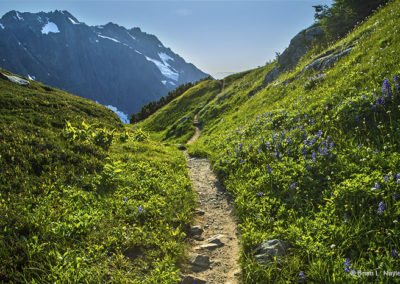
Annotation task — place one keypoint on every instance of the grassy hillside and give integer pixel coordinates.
(175, 120)
(314, 160)
(83, 200)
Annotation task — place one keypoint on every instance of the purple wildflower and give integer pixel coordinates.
(301, 274)
(381, 208)
(347, 265)
(394, 254)
(377, 185)
(126, 199)
(141, 210)
(313, 157)
(260, 194)
(292, 185)
(269, 169)
(386, 179)
(386, 88)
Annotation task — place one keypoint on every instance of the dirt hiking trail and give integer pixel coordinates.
(213, 240)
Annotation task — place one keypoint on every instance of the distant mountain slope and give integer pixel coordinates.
(109, 64)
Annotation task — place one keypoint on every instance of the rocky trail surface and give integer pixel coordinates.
(213, 240)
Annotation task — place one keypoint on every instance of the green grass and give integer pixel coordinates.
(86, 203)
(326, 206)
(174, 122)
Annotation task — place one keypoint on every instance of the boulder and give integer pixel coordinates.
(269, 250)
(327, 60)
(298, 46)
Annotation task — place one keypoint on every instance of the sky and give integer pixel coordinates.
(219, 37)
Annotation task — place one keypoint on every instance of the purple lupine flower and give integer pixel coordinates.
(374, 107)
(381, 208)
(394, 254)
(276, 154)
(386, 179)
(269, 169)
(396, 86)
(386, 88)
(292, 185)
(363, 96)
(382, 101)
(126, 199)
(141, 210)
(377, 185)
(331, 145)
(241, 161)
(302, 276)
(240, 146)
(260, 194)
(271, 220)
(347, 265)
(345, 218)
(313, 156)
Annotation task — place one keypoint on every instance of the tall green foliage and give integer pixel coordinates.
(344, 15)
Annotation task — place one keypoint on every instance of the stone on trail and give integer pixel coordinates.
(189, 279)
(196, 230)
(209, 246)
(217, 239)
(199, 260)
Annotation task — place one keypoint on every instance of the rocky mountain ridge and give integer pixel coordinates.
(125, 68)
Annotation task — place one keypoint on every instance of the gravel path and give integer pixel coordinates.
(214, 243)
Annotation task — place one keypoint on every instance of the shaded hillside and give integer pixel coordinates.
(81, 198)
(312, 158)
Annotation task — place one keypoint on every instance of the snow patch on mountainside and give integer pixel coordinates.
(165, 69)
(110, 38)
(165, 57)
(72, 21)
(18, 16)
(123, 116)
(131, 36)
(50, 27)
(2, 27)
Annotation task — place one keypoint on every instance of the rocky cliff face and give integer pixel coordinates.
(297, 48)
(125, 68)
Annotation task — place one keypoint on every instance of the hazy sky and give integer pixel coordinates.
(217, 36)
